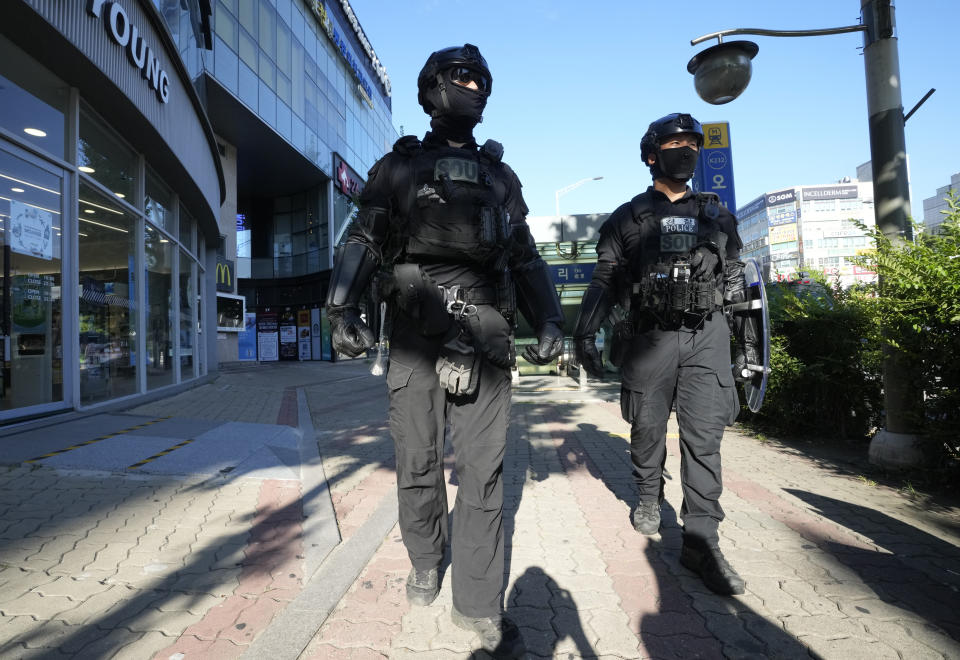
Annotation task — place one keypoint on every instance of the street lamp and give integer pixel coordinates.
(564, 191)
(723, 71)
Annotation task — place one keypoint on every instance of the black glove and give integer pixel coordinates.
(705, 262)
(458, 364)
(588, 356)
(549, 345)
(742, 356)
(348, 333)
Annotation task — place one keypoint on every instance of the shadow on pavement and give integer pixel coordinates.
(921, 573)
(269, 554)
(688, 621)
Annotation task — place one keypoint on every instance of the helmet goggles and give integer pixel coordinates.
(462, 75)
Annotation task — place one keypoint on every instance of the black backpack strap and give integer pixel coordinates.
(641, 207)
(408, 145)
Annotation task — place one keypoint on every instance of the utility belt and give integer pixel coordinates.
(433, 305)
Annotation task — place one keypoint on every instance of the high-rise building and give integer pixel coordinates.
(301, 106)
(935, 207)
(810, 228)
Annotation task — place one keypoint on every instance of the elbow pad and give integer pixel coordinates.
(537, 296)
(593, 310)
(355, 265)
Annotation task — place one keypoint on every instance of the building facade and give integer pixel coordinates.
(110, 192)
(810, 228)
(934, 208)
(301, 106)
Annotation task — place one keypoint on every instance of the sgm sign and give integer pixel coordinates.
(128, 37)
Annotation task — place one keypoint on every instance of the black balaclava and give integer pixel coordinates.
(456, 109)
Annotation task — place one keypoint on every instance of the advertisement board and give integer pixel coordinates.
(783, 234)
(268, 348)
(830, 192)
(781, 215)
(247, 338)
(304, 343)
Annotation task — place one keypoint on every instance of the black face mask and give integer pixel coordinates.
(678, 164)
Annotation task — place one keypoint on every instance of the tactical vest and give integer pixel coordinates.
(659, 263)
(458, 214)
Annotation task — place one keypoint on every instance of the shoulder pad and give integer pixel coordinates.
(492, 150)
(641, 207)
(709, 204)
(408, 145)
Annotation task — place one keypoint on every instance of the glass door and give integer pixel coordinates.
(32, 222)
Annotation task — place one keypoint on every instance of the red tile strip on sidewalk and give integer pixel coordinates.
(271, 577)
(661, 614)
(288, 415)
(272, 574)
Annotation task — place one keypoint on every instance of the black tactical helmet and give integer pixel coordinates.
(669, 125)
(455, 58)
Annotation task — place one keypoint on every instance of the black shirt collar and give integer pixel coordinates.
(658, 196)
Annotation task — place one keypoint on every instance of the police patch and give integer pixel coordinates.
(676, 225)
(458, 169)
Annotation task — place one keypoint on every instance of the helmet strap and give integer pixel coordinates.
(443, 90)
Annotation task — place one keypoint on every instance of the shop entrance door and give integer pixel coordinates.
(32, 210)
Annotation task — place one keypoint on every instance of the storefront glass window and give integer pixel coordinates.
(158, 204)
(106, 159)
(33, 102)
(158, 255)
(107, 291)
(30, 280)
(188, 296)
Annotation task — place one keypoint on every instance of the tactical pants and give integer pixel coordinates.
(692, 365)
(419, 411)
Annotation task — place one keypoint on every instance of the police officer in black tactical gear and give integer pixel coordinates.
(445, 219)
(671, 258)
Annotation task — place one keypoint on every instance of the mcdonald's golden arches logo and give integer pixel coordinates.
(224, 275)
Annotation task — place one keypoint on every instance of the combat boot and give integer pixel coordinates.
(499, 636)
(646, 518)
(708, 562)
(423, 586)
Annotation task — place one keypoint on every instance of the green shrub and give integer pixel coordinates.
(824, 377)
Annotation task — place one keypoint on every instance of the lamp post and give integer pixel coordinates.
(564, 191)
(723, 71)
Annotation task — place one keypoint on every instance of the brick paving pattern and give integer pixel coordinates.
(109, 565)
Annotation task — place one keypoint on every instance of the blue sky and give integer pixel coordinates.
(576, 84)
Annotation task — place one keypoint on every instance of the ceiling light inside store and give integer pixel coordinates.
(35, 132)
(27, 183)
(120, 195)
(100, 224)
(86, 170)
(105, 208)
(89, 211)
(16, 190)
(33, 206)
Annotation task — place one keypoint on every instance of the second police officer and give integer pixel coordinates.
(671, 258)
(447, 219)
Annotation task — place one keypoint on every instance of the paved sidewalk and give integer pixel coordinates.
(272, 534)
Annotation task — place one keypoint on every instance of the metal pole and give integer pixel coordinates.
(895, 444)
